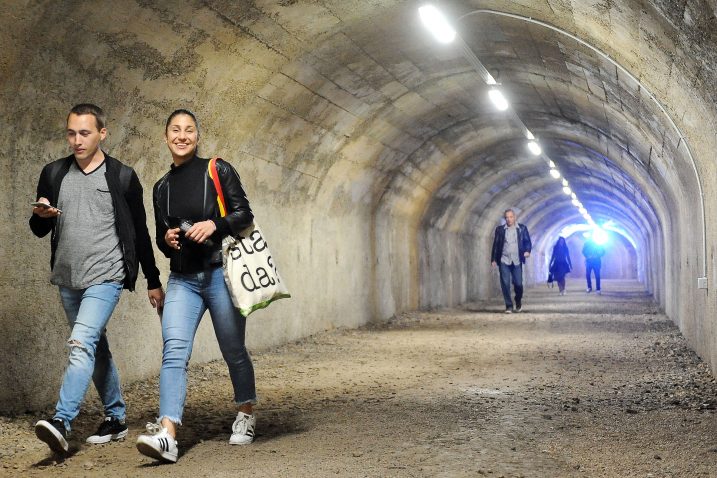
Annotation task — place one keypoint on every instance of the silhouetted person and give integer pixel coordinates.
(560, 263)
(593, 254)
(511, 245)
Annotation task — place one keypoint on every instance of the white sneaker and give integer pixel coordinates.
(159, 444)
(243, 429)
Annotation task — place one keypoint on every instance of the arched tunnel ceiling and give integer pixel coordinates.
(374, 111)
(416, 123)
(568, 96)
(445, 93)
(425, 118)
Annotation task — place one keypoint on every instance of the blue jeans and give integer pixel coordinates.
(514, 272)
(88, 311)
(188, 297)
(592, 266)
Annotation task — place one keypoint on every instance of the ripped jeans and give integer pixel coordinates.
(88, 311)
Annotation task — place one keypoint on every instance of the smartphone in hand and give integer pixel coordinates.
(43, 205)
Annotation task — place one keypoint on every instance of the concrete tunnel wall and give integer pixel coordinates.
(370, 155)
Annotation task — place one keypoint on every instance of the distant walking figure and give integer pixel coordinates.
(511, 246)
(560, 263)
(593, 254)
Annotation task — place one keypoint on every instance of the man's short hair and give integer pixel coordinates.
(507, 211)
(90, 109)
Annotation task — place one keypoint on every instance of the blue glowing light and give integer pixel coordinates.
(599, 236)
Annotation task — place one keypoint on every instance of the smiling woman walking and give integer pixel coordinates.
(189, 231)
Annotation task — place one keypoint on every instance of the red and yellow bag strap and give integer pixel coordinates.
(218, 186)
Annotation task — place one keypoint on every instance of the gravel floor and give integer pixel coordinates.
(581, 385)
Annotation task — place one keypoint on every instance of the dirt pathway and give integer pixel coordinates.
(574, 386)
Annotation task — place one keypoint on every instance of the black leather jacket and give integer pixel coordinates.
(238, 215)
(524, 244)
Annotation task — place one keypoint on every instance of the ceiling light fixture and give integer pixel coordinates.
(496, 96)
(534, 148)
(437, 24)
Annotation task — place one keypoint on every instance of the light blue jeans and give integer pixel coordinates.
(88, 311)
(188, 297)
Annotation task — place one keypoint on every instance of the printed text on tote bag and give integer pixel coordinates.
(261, 277)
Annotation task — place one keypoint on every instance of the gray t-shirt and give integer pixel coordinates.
(88, 251)
(511, 254)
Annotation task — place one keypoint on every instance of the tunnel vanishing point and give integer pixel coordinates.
(371, 153)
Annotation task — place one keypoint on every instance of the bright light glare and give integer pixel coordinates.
(437, 24)
(599, 236)
(574, 196)
(576, 203)
(498, 99)
(565, 182)
(551, 163)
(534, 148)
(607, 226)
(555, 173)
(529, 135)
(583, 211)
(567, 191)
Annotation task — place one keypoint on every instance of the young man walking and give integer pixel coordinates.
(511, 246)
(94, 210)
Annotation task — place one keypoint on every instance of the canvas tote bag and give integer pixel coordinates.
(249, 270)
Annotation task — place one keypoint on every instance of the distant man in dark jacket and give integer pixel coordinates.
(511, 246)
(92, 204)
(593, 261)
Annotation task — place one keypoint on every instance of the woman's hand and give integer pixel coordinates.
(171, 237)
(200, 231)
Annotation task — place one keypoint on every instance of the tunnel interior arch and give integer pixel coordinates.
(373, 159)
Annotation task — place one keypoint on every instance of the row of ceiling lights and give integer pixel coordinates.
(443, 32)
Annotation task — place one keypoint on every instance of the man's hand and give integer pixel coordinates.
(200, 231)
(156, 298)
(171, 237)
(493, 264)
(45, 212)
(526, 254)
